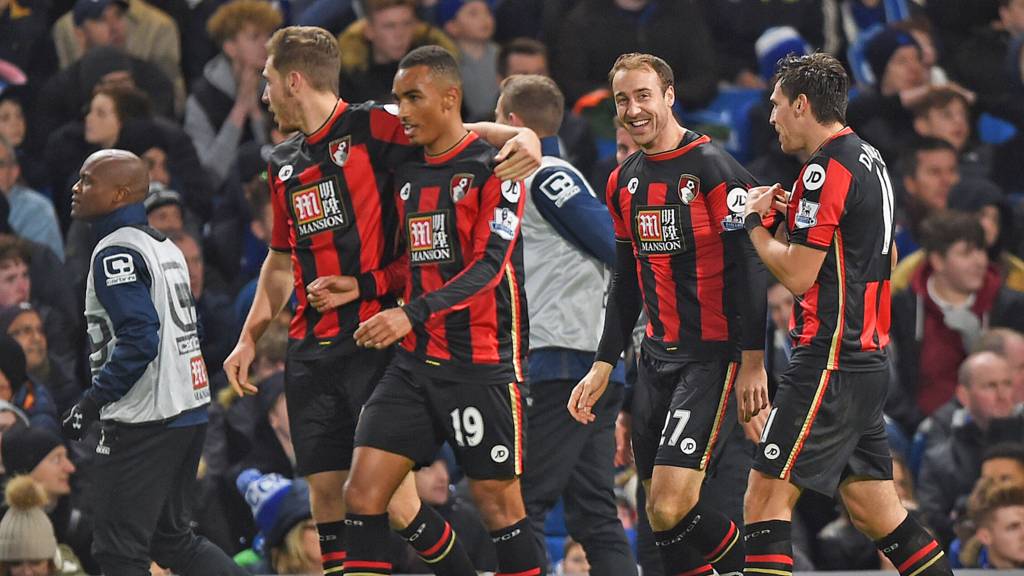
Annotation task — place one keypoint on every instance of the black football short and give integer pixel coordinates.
(682, 413)
(824, 427)
(412, 415)
(324, 397)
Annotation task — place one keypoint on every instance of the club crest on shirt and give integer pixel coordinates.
(460, 185)
(338, 150)
(806, 214)
(689, 187)
(429, 238)
(317, 207)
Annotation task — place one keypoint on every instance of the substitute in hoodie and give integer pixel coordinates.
(951, 299)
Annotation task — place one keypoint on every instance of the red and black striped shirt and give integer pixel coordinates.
(465, 297)
(842, 203)
(682, 211)
(334, 212)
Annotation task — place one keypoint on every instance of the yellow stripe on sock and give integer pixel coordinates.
(735, 538)
(925, 567)
(333, 570)
(768, 571)
(451, 543)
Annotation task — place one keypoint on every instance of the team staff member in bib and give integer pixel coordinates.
(149, 386)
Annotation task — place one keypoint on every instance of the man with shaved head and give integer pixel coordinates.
(149, 384)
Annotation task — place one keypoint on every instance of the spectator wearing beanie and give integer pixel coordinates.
(288, 541)
(17, 388)
(41, 455)
(470, 24)
(881, 113)
(24, 323)
(27, 542)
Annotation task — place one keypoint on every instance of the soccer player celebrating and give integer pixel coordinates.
(676, 206)
(334, 214)
(835, 254)
(456, 374)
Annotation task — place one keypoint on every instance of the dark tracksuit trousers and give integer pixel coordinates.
(143, 478)
(567, 459)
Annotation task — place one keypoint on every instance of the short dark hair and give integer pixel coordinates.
(375, 6)
(909, 160)
(129, 102)
(1005, 450)
(944, 228)
(819, 77)
(438, 60)
(310, 51)
(536, 99)
(13, 249)
(938, 97)
(637, 61)
(525, 46)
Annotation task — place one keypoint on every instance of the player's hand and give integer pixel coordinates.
(236, 367)
(519, 157)
(760, 199)
(589, 390)
(330, 292)
(76, 421)
(384, 329)
(623, 439)
(751, 390)
(754, 427)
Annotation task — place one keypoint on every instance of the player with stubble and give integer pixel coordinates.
(457, 373)
(834, 251)
(681, 253)
(334, 243)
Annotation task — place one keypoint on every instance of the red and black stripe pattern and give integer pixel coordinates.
(676, 208)
(913, 551)
(769, 548)
(366, 545)
(842, 204)
(331, 193)
(465, 296)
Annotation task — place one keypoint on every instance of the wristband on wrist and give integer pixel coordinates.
(751, 221)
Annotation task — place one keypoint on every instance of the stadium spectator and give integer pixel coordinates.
(281, 509)
(574, 559)
(164, 210)
(1009, 344)
(25, 41)
(595, 32)
(372, 46)
(224, 109)
(980, 62)
(16, 287)
(63, 97)
(134, 26)
(950, 469)
(945, 113)
(14, 128)
(17, 388)
(31, 214)
(471, 25)
(1004, 463)
(28, 545)
(39, 453)
(999, 516)
(24, 323)
(930, 171)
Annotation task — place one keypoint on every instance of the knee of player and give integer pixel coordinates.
(666, 509)
(365, 497)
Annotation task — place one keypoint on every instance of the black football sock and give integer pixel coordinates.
(913, 550)
(436, 543)
(769, 548)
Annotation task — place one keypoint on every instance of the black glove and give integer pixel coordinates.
(77, 420)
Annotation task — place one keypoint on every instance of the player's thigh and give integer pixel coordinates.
(697, 418)
(812, 430)
(398, 418)
(485, 424)
(321, 415)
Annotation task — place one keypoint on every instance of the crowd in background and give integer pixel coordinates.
(939, 90)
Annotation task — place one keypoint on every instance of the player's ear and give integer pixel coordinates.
(800, 105)
(670, 95)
